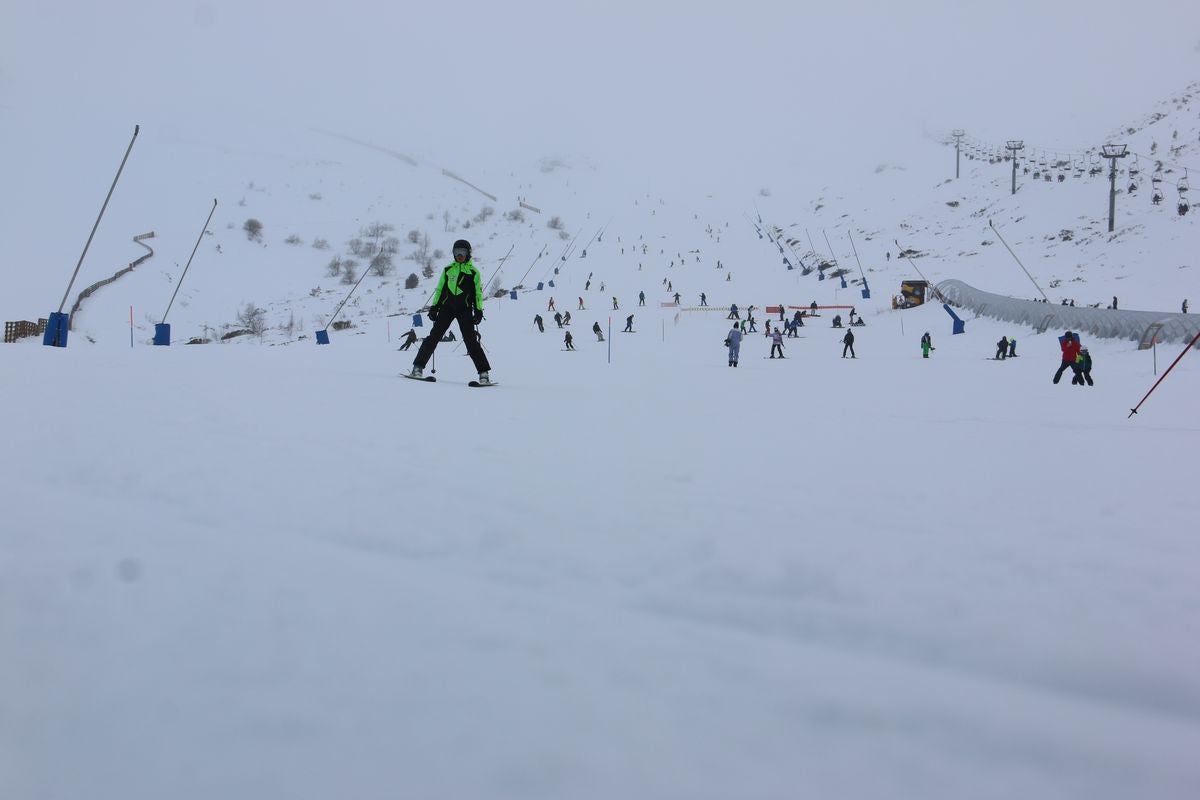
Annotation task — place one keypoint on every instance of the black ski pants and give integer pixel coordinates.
(848, 346)
(454, 310)
(1063, 368)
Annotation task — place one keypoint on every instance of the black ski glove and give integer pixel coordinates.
(433, 312)
(477, 317)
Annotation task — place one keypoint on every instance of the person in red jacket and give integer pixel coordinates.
(1069, 342)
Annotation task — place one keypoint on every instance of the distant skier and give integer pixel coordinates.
(599, 333)
(409, 338)
(550, 305)
(641, 298)
(734, 342)
(558, 318)
(580, 305)
(926, 344)
(733, 311)
(458, 296)
(812, 308)
(628, 324)
(615, 306)
(776, 343)
(782, 311)
(751, 321)
(1069, 344)
(677, 298)
(1012, 347)
(568, 341)
(848, 344)
(1002, 348)
(567, 318)
(537, 320)
(1114, 302)
(703, 299)
(1183, 308)
(837, 320)
(798, 320)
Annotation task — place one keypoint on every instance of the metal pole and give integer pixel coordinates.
(97, 225)
(189, 261)
(1013, 146)
(1112, 152)
(958, 134)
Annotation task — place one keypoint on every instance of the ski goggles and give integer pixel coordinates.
(462, 252)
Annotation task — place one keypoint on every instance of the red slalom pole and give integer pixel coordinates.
(1191, 344)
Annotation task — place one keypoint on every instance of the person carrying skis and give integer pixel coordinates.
(599, 333)
(848, 344)
(409, 338)
(1069, 344)
(776, 343)
(926, 344)
(734, 342)
(628, 324)
(458, 296)
(568, 339)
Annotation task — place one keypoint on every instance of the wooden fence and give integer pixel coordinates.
(22, 328)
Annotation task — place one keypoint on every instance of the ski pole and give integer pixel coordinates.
(1190, 345)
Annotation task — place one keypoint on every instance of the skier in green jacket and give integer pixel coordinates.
(458, 296)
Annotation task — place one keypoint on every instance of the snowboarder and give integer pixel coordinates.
(1002, 348)
(599, 333)
(1083, 368)
(837, 320)
(628, 324)
(1069, 344)
(567, 318)
(926, 344)
(567, 340)
(537, 320)
(734, 342)
(641, 299)
(458, 296)
(848, 342)
(409, 338)
(776, 343)
(812, 308)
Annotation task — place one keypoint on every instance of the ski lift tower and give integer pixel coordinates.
(958, 134)
(1013, 146)
(1112, 152)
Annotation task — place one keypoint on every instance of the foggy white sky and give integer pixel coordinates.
(738, 85)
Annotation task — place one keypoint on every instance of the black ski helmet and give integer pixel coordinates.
(462, 244)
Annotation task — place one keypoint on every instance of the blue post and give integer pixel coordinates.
(417, 323)
(323, 337)
(56, 329)
(551, 283)
(866, 290)
(512, 294)
(540, 286)
(162, 334)
(821, 275)
(843, 281)
(959, 325)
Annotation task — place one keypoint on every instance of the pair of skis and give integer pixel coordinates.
(432, 379)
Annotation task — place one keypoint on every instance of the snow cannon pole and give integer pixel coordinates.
(498, 266)
(996, 231)
(162, 331)
(1190, 345)
(56, 328)
(900, 252)
(535, 260)
(323, 334)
